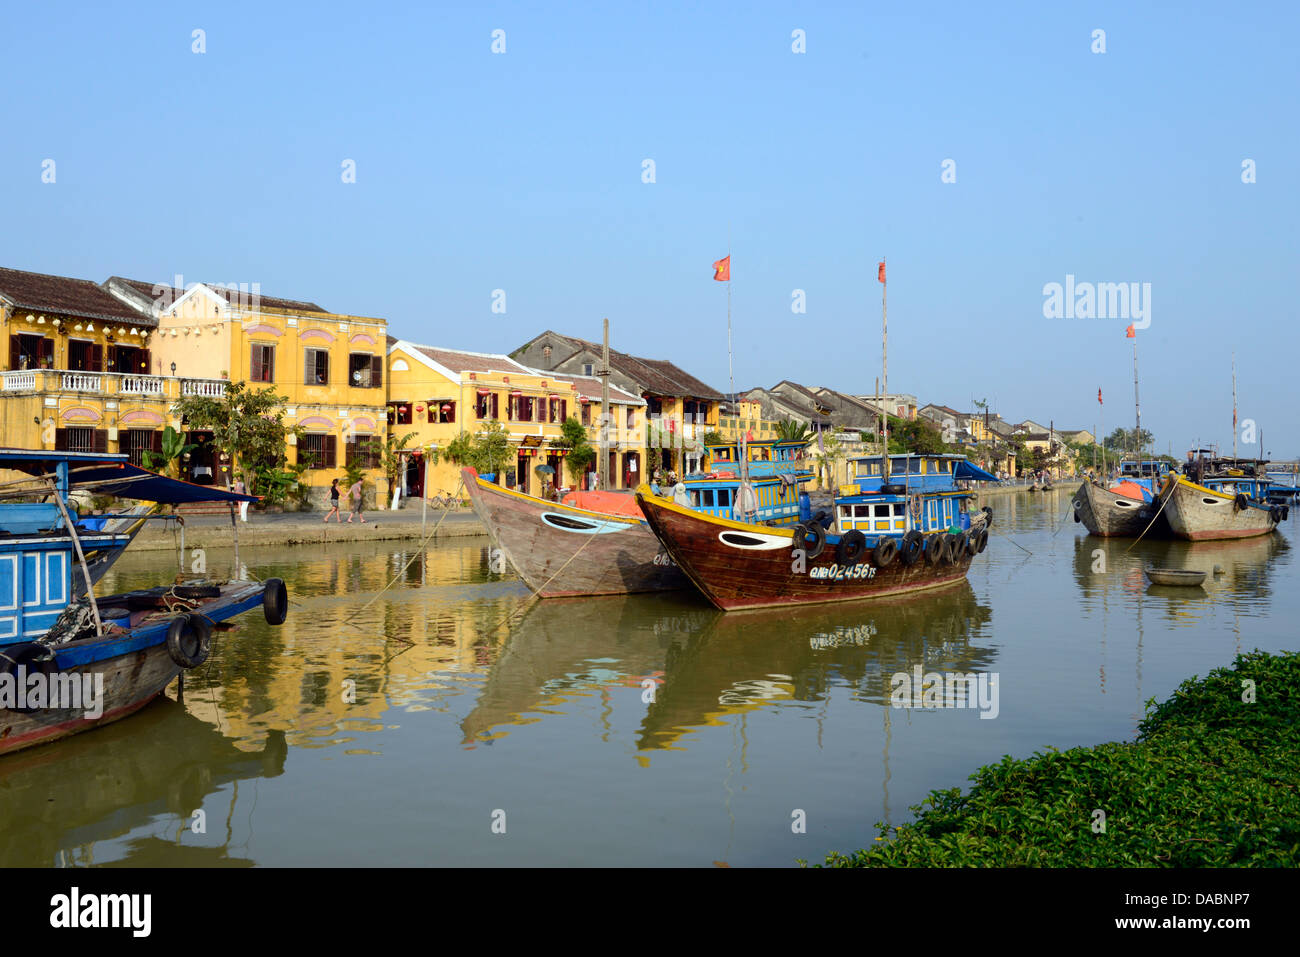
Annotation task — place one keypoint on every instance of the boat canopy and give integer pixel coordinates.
(967, 469)
(113, 474)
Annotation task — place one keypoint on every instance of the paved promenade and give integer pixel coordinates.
(307, 528)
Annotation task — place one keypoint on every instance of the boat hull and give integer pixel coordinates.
(562, 551)
(740, 566)
(1108, 514)
(1198, 514)
(134, 666)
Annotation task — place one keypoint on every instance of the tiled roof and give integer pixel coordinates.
(69, 297)
(289, 305)
(658, 376)
(590, 386)
(459, 361)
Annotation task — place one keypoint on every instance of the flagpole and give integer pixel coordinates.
(1137, 405)
(1234, 407)
(731, 373)
(884, 367)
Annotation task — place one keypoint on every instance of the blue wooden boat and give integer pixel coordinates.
(70, 662)
(761, 481)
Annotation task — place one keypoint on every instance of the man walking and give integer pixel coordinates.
(354, 497)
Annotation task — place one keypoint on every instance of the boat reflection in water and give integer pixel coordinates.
(705, 667)
(136, 784)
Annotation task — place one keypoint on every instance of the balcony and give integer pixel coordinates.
(109, 384)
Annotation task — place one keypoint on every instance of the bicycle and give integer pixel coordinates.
(444, 499)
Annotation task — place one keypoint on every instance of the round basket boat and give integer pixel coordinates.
(1175, 576)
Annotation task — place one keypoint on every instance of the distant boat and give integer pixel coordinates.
(1222, 508)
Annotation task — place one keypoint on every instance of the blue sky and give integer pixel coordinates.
(522, 171)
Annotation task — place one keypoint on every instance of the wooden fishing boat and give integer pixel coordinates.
(1200, 512)
(70, 663)
(913, 532)
(563, 550)
(1127, 509)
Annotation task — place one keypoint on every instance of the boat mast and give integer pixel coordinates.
(884, 366)
(1137, 406)
(1234, 408)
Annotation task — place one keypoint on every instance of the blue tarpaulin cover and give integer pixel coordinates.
(967, 469)
(114, 475)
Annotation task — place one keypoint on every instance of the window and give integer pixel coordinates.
(558, 410)
(707, 496)
(442, 411)
(30, 352)
(630, 419)
(128, 360)
(362, 450)
(588, 368)
(486, 407)
(317, 450)
(365, 371)
(262, 364)
(85, 356)
(136, 442)
(399, 413)
(81, 440)
(724, 497)
(586, 413)
(522, 408)
(316, 367)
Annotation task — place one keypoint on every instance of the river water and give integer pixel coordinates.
(647, 730)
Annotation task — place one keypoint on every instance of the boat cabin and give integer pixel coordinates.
(920, 492)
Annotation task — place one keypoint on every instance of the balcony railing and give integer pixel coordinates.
(109, 384)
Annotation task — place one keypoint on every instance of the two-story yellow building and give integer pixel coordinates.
(328, 366)
(82, 372)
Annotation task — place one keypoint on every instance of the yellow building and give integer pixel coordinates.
(82, 372)
(438, 394)
(329, 367)
(747, 420)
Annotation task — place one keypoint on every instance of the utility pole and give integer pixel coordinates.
(602, 459)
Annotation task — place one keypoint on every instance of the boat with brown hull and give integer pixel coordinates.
(1200, 513)
(562, 550)
(742, 566)
(1108, 513)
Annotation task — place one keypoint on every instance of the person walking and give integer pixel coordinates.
(240, 489)
(354, 494)
(334, 503)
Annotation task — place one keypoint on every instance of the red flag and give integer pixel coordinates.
(1099, 397)
(880, 273)
(722, 269)
(1129, 333)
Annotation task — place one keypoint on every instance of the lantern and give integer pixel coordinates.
(419, 408)
(446, 407)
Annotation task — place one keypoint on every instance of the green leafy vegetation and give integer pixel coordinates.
(1211, 781)
(167, 462)
(248, 425)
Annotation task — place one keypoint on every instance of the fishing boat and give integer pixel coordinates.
(70, 663)
(1128, 508)
(598, 543)
(1223, 507)
(903, 526)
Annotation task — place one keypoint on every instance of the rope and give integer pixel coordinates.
(1164, 500)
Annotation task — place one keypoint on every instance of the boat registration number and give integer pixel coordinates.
(663, 558)
(842, 573)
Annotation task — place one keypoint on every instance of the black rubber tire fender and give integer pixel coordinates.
(987, 510)
(34, 658)
(803, 531)
(197, 591)
(934, 549)
(885, 552)
(913, 547)
(971, 540)
(1241, 503)
(852, 548)
(984, 540)
(956, 547)
(189, 639)
(275, 601)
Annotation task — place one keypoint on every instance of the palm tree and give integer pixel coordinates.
(791, 430)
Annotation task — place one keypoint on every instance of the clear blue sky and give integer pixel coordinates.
(523, 172)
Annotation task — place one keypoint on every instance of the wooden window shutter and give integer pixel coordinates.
(155, 440)
(331, 451)
(309, 367)
(96, 358)
(15, 352)
(145, 360)
(61, 440)
(100, 441)
(46, 350)
(376, 372)
(255, 365)
(110, 359)
(268, 363)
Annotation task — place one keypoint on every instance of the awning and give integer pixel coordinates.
(129, 481)
(967, 469)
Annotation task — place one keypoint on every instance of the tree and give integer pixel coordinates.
(1124, 439)
(713, 437)
(389, 460)
(486, 451)
(247, 424)
(792, 430)
(827, 456)
(573, 436)
(168, 460)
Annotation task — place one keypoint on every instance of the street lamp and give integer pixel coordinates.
(173, 368)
